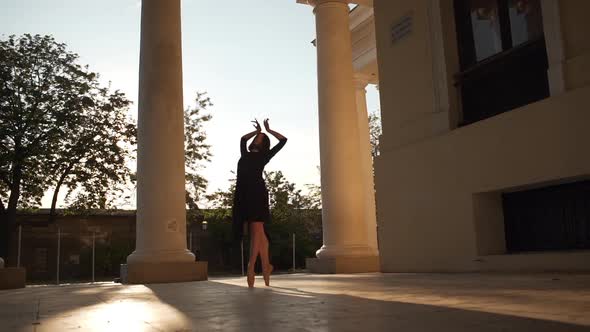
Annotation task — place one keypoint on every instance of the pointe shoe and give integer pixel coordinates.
(250, 276)
(266, 273)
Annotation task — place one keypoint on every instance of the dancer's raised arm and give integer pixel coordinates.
(282, 140)
(272, 132)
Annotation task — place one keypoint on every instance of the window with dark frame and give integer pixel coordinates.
(502, 54)
(549, 218)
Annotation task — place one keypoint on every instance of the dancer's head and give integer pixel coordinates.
(261, 143)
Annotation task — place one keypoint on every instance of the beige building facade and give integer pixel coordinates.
(484, 154)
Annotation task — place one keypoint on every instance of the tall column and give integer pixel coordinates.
(345, 240)
(161, 254)
(360, 82)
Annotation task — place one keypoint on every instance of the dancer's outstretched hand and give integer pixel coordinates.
(266, 125)
(272, 132)
(256, 125)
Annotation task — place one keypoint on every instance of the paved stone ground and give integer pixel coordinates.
(303, 302)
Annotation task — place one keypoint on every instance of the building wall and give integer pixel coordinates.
(438, 187)
(575, 26)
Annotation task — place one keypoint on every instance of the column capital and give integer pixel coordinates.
(361, 80)
(315, 3)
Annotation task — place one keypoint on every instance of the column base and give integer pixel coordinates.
(152, 273)
(12, 278)
(337, 265)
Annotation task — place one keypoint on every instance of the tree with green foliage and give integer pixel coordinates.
(196, 152)
(375, 132)
(58, 126)
(91, 160)
(293, 212)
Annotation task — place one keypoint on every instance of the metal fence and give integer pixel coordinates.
(58, 255)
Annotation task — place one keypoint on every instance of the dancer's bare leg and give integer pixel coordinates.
(263, 245)
(254, 252)
(253, 256)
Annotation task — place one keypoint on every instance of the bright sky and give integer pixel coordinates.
(254, 60)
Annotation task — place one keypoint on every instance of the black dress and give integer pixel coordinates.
(251, 196)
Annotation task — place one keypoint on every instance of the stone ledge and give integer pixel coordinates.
(151, 273)
(343, 265)
(13, 277)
